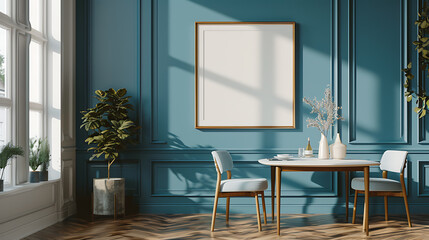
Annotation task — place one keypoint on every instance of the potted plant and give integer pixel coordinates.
(110, 130)
(34, 160)
(44, 158)
(7, 152)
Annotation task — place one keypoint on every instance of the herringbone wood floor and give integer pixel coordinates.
(241, 226)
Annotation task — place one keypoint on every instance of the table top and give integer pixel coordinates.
(314, 162)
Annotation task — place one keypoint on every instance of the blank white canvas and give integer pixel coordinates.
(245, 75)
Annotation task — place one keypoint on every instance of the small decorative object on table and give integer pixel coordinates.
(283, 156)
(7, 152)
(327, 114)
(338, 149)
(301, 152)
(308, 152)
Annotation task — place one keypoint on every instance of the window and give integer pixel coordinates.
(30, 76)
(5, 7)
(37, 14)
(36, 89)
(6, 102)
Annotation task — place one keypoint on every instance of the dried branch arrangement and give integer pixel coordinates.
(326, 110)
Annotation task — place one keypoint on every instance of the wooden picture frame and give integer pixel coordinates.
(244, 75)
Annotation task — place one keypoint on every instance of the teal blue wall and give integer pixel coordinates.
(147, 46)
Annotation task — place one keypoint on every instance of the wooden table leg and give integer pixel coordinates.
(273, 187)
(347, 194)
(366, 213)
(278, 184)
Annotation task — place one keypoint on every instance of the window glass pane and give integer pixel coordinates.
(4, 79)
(36, 71)
(5, 6)
(36, 14)
(5, 126)
(54, 20)
(36, 127)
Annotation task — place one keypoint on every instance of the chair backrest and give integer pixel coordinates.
(223, 160)
(393, 161)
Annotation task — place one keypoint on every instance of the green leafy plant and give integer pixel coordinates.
(422, 47)
(34, 159)
(2, 70)
(7, 152)
(44, 154)
(108, 124)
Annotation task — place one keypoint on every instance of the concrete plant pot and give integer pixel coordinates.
(109, 196)
(34, 176)
(44, 176)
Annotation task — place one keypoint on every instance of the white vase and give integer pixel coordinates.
(323, 147)
(338, 149)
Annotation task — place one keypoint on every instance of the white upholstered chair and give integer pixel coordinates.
(239, 187)
(391, 161)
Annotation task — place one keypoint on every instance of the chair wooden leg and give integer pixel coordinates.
(214, 211)
(354, 208)
(227, 209)
(386, 214)
(263, 207)
(404, 195)
(257, 212)
(407, 209)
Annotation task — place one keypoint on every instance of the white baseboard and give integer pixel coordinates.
(30, 226)
(67, 210)
(32, 208)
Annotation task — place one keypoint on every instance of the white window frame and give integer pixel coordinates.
(20, 29)
(9, 101)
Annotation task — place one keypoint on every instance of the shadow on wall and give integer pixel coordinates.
(197, 182)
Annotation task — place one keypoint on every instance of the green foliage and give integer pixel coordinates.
(108, 124)
(40, 153)
(7, 152)
(45, 154)
(34, 159)
(422, 47)
(2, 70)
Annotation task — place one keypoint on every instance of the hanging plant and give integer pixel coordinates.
(422, 47)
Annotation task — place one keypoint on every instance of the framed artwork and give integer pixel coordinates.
(244, 75)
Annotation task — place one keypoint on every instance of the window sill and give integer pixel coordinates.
(9, 191)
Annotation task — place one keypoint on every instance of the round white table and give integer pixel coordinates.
(314, 164)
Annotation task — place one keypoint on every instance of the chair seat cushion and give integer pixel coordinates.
(244, 185)
(377, 184)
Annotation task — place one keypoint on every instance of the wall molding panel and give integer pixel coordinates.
(423, 176)
(154, 80)
(200, 175)
(127, 168)
(403, 113)
(170, 170)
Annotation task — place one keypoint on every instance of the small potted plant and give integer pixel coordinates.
(44, 158)
(110, 130)
(34, 160)
(7, 152)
